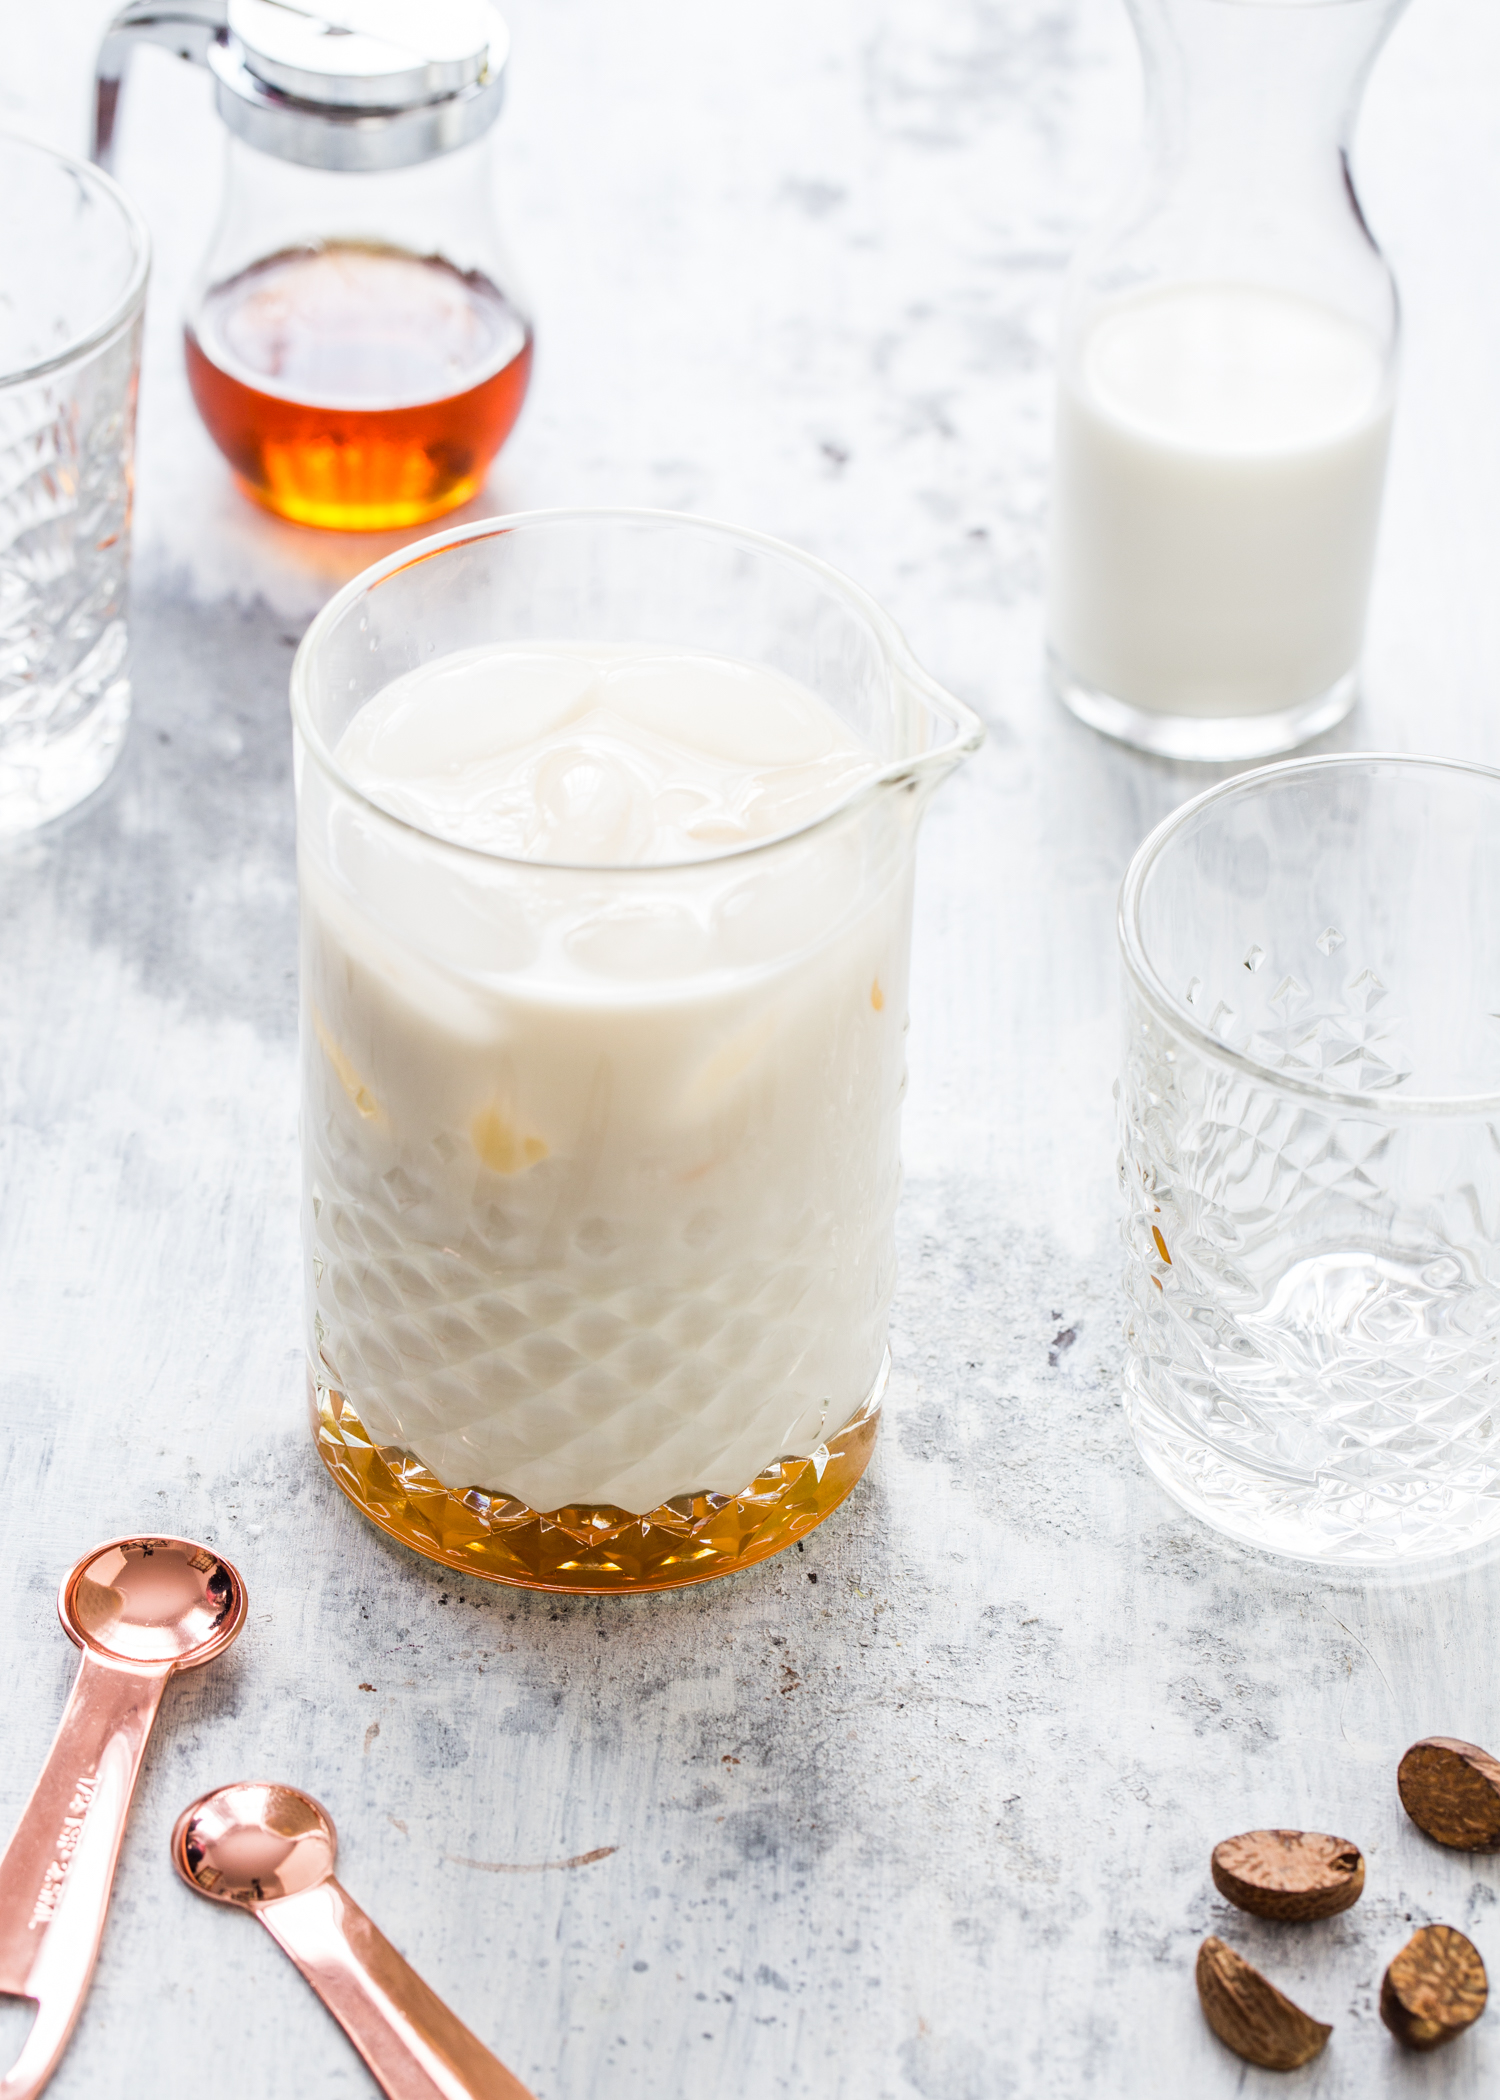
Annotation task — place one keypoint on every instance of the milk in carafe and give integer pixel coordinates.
(1220, 457)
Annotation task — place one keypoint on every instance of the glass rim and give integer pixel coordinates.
(968, 729)
(124, 308)
(1147, 981)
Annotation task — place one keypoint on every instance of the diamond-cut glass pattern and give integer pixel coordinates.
(66, 443)
(594, 1548)
(1315, 1306)
(670, 1366)
(681, 1268)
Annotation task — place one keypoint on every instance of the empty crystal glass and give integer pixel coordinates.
(1310, 1155)
(74, 257)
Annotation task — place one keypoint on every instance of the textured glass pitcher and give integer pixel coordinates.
(1225, 387)
(602, 1161)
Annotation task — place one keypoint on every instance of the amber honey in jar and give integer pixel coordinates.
(358, 386)
(353, 344)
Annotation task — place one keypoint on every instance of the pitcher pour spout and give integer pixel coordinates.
(939, 730)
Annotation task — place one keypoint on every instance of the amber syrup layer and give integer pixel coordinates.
(376, 444)
(593, 1548)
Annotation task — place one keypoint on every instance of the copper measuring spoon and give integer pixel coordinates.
(270, 1850)
(140, 1609)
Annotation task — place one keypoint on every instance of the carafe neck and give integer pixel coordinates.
(1250, 108)
(1257, 82)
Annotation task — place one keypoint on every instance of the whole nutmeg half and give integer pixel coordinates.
(1250, 2016)
(1294, 1875)
(1452, 1791)
(1434, 1989)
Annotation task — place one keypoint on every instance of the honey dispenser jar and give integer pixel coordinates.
(351, 343)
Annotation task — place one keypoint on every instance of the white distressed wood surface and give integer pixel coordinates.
(926, 1809)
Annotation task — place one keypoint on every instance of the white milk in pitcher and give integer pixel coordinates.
(1220, 457)
(601, 1107)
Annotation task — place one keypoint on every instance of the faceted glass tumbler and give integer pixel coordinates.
(601, 1163)
(74, 259)
(1310, 1157)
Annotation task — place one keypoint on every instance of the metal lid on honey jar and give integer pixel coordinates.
(359, 83)
(342, 84)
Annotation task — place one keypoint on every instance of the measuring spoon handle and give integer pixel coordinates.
(412, 2043)
(59, 1867)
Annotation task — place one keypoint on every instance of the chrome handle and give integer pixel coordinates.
(187, 27)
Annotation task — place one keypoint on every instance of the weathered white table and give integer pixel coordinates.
(925, 1809)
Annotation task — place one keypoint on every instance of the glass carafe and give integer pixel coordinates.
(1226, 381)
(351, 339)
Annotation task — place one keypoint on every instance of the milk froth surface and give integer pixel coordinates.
(625, 756)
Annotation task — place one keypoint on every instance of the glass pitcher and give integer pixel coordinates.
(1226, 378)
(351, 341)
(601, 1161)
